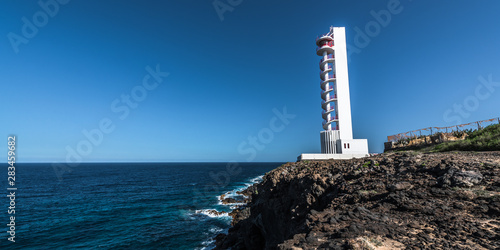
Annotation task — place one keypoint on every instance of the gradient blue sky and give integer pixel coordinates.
(226, 77)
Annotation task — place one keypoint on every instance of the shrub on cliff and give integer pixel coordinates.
(487, 139)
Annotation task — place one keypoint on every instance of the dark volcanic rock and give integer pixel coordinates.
(459, 178)
(400, 186)
(394, 200)
(232, 201)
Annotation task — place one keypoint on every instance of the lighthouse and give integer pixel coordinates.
(336, 136)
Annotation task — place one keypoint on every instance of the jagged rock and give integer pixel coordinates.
(459, 178)
(466, 178)
(240, 214)
(394, 203)
(232, 200)
(400, 186)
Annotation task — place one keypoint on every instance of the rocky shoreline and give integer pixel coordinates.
(389, 201)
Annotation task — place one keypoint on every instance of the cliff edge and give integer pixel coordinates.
(389, 201)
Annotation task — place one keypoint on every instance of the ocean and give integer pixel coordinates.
(123, 205)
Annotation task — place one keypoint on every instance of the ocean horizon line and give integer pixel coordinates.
(97, 162)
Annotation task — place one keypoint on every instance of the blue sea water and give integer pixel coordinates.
(122, 205)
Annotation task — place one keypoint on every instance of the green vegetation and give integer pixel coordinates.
(487, 139)
(367, 164)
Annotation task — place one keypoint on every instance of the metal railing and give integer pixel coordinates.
(327, 57)
(325, 45)
(436, 130)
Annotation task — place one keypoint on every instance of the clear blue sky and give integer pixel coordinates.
(226, 76)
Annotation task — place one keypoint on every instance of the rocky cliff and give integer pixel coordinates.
(389, 201)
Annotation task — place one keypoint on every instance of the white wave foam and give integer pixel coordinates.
(209, 244)
(257, 179)
(212, 213)
(234, 193)
(236, 205)
(231, 194)
(215, 230)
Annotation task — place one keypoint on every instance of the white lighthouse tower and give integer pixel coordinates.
(336, 138)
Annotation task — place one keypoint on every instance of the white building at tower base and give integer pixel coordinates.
(336, 138)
